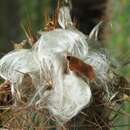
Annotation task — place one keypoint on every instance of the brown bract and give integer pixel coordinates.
(51, 23)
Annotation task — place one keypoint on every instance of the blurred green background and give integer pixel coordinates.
(119, 43)
(14, 13)
(119, 46)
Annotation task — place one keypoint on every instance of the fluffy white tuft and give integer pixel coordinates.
(40, 76)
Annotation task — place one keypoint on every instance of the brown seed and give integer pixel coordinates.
(78, 66)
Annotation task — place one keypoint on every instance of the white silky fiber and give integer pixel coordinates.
(41, 77)
(19, 66)
(100, 64)
(69, 41)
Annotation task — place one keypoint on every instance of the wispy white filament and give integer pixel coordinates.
(100, 64)
(15, 65)
(65, 20)
(79, 92)
(62, 41)
(42, 77)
